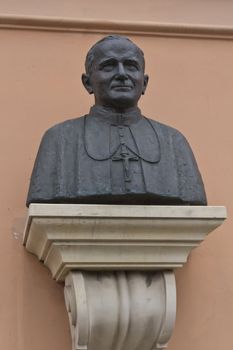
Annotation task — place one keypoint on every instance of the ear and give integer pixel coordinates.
(86, 83)
(146, 79)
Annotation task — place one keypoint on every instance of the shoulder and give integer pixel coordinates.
(65, 127)
(167, 130)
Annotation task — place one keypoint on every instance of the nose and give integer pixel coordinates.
(121, 73)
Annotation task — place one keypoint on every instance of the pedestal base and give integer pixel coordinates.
(120, 310)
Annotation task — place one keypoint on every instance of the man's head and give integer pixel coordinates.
(115, 72)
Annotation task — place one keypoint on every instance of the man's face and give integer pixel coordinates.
(117, 76)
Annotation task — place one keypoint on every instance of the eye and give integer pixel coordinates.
(131, 65)
(107, 66)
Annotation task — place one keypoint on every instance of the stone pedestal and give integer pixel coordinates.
(117, 264)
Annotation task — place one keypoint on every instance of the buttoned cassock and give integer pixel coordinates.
(106, 157)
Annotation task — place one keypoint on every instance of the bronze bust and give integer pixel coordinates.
(115, 155)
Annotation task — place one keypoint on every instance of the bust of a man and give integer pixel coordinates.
(114, 154)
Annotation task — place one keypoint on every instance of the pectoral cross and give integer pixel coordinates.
(126, 157)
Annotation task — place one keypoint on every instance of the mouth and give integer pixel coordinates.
(122, 87)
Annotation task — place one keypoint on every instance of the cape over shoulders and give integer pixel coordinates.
(167, 128)
(65, 125)
(70, 130)
(78, 122)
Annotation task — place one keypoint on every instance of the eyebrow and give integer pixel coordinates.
(113, 60)
(107, 60)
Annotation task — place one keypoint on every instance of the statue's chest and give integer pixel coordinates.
(116, 152)
(117, 159)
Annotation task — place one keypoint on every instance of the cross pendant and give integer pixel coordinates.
(126, 158)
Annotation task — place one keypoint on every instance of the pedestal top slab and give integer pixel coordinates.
(116, 237)
(140, 211)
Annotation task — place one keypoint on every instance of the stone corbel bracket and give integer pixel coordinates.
(117, 264)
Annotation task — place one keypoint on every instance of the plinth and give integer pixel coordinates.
(117, 263)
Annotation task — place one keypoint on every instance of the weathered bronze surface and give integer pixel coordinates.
(115, 154)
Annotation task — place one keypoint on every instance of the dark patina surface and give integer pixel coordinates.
(115, 155)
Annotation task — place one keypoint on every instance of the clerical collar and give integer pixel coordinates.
(108, 116)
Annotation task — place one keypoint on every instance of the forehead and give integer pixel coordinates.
(117, 48)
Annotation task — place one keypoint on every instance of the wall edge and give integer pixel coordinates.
(54, 24)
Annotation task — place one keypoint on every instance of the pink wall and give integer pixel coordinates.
(190, 88)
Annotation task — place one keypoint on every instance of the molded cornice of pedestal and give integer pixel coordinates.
(116, 237)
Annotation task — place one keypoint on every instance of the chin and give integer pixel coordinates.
(123, 105)
(124, 102)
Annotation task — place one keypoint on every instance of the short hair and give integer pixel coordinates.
(91, 53)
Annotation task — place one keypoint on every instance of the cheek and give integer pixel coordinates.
(104, 84)
(138, 79)
(139, 85)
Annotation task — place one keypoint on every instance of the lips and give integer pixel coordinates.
(121, 87)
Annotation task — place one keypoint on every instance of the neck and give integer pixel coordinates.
(114, 117)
